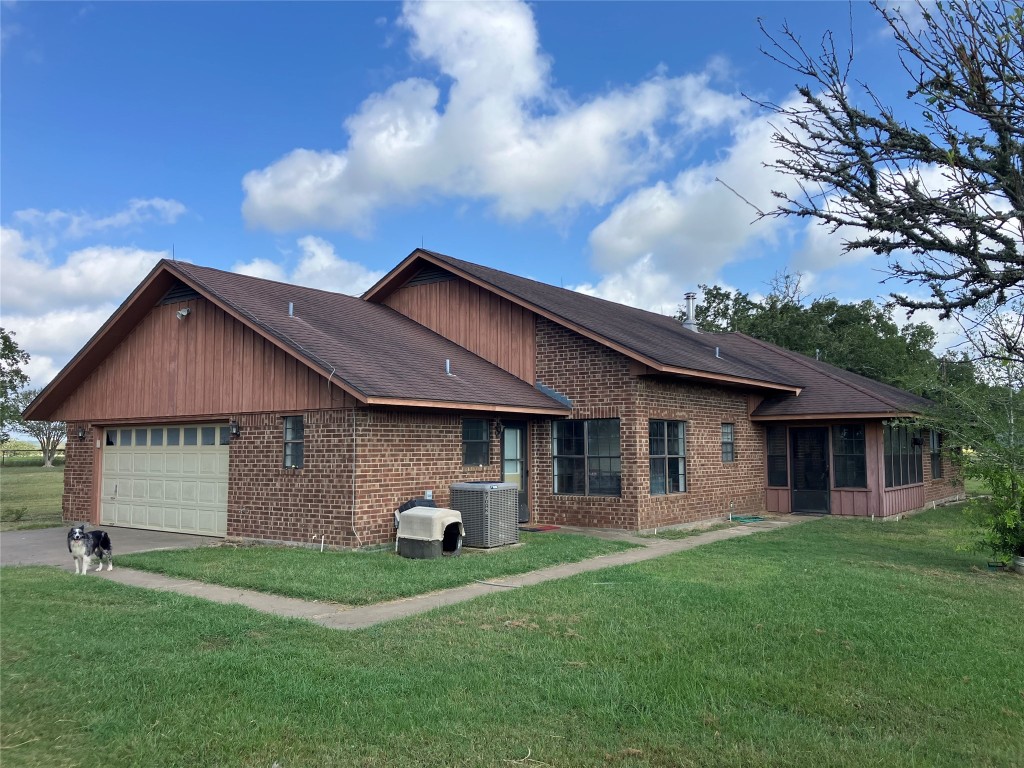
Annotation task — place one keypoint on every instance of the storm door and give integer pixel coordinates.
(809, 452)
(513, 463)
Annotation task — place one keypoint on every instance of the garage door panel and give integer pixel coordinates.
(152, 480)
(190, 464)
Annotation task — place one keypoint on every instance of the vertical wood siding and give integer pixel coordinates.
(487, 325)
(207, 364)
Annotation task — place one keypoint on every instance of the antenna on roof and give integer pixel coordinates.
(172, 252)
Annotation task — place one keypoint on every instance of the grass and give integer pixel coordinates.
(30, 497)
(686, 533)
(833, 643)
(361, 578)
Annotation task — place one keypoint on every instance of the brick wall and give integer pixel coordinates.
(600, 383)
(401, 454)
(714, 488)
(267, 501)
(397, 456)
(949, 486)
(79, 470)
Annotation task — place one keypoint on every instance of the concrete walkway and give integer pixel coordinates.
(49, 546)
(336, 616)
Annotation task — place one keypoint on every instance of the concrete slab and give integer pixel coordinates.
(49, 546)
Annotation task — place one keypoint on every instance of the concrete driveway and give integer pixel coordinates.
(49, 546)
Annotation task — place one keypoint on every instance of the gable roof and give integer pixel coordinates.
(657, 341)
(374, 353)
(663, 344)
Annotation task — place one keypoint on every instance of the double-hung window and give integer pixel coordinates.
(668, 456)
(476, 442)
(586, 457)
(294, 442)
(778, 457)
(728, 443)
(935, 449)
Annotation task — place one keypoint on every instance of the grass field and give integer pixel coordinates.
(832, 643)
(361, 578)
(30, 497)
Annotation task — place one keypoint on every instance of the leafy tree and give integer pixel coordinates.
(12, 379)
(983, 423)
(943, 199)
(50, 434)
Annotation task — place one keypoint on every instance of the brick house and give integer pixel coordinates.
(227, 405)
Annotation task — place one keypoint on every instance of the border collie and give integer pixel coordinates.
(84, 546)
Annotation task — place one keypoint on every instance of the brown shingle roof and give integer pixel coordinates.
(378, 352)
(827, 390)
(824, 390)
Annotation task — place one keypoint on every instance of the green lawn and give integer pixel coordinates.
(361, 578)
(832, 643)
(30, 497)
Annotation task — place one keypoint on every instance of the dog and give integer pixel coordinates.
(85, 545)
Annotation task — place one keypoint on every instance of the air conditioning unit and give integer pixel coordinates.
(490, 512)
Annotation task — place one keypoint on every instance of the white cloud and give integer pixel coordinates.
(318, 267)
(75, 225)
(692, 226)
(503, 133)
(33, 282)
(54, 306)
(639, 284)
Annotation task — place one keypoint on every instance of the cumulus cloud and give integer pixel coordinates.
(501, 133)
(639, 284)
(32, 281)
(55, 306)
(75, 225)
(688, 228)
(318, 266)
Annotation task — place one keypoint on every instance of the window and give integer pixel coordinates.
(850, 468)
(156, 436)
(173, 435)
(140, 436)
(294, 435)
(935, 448)
(190, 435)
(209, 435)
(728, 442)
(778, 464)
(125, 437)
(668, 457)
(476, 442)
(586, 457)
(225, 435)
(111, 437)
(902, 455)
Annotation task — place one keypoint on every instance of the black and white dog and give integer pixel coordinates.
(84, 545)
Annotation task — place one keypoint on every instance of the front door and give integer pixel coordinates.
(513, 463)
(809, 451)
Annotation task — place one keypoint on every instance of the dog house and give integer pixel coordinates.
(426, 532)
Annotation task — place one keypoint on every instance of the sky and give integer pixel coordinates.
(587, 145)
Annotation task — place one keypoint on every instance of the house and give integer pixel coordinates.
(227, 405)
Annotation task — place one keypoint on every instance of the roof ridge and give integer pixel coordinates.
(541, 283)
(805, 361)
(260, 279)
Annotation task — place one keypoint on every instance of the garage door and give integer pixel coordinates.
(166, 478)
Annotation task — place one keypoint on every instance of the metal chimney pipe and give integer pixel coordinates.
(690, 322)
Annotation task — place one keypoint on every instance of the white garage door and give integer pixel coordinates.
(166, 478)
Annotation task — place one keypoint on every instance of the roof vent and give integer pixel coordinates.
(690, 322)
(448, 367)
(718, 352)
(291, 309)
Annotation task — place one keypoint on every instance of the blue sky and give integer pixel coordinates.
(575, 143)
